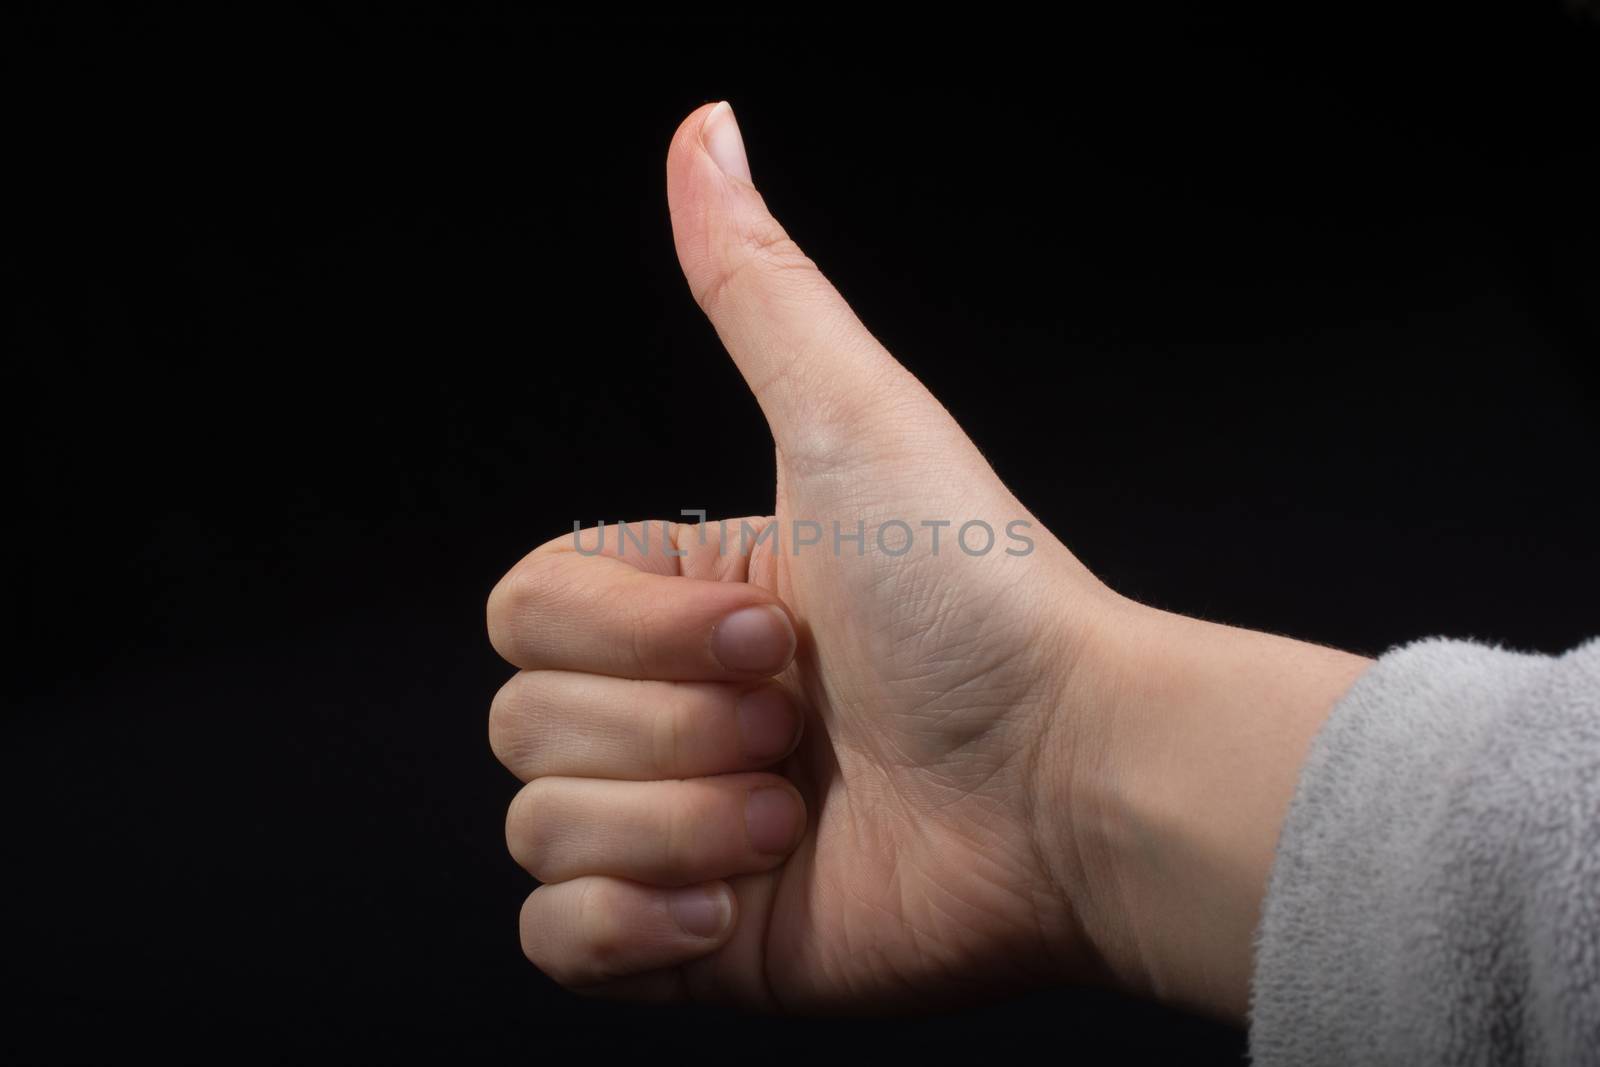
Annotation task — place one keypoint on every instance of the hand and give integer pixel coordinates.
(839, 774)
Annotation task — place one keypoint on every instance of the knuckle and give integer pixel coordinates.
(635, 631)
(844, 426)
(641, 642)
(602, 933)
(764, 239)
(517, 606)
(667, 740)
(532, 928)
(527, 830)
(761, 252)
(685, 851)
(503, 735)
(515, 733)
(548, 939)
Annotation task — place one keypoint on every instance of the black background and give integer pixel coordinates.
(317, 321)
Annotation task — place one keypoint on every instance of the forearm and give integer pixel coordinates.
(1177, 804)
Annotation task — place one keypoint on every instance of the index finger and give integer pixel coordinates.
(562, 609)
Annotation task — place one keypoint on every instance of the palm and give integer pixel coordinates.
(923, 706)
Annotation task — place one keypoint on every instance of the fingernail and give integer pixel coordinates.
(771, 818)
(700, 911)
(720, 134)
(758, 640)
(768, 724)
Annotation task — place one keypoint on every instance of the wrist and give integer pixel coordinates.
(1174, 755)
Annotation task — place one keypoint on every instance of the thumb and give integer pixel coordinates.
(829, 390)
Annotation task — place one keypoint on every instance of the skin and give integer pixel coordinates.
(971, 773)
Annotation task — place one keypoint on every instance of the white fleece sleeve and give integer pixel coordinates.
(1436, 892)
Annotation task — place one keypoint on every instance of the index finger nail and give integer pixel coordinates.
(757, 640)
